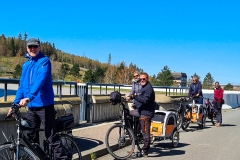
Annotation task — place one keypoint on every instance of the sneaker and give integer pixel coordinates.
(218, 124)
(144, 154)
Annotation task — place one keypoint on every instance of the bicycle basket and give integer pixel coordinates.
(115, 97)
(65, 122)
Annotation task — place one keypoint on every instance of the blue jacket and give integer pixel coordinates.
(195, 89)
(145, 101)
(36, 82)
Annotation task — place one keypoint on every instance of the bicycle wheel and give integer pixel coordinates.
(185, 124)
(7, 152)
(175, 138)
(179, 120)
(70, 147)
(139, 140)
(120, 141)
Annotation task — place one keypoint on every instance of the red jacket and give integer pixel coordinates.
(218, 94)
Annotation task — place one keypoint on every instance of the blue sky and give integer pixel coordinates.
(187, 36)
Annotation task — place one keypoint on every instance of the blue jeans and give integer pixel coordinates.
(198, 100)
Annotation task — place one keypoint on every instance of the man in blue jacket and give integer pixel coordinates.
(36, 92)
(145, 103)
(195, 91)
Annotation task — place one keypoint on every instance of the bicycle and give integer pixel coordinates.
(210, 111)
(121, 137)
(180, 111)
(15, 150)
(194, 113)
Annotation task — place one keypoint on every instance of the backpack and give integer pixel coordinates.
(222, 101)
(115, 97)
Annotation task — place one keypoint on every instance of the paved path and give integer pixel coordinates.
(215, 143)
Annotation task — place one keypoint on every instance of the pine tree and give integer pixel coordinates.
(109, 58)
(195, 75)
(75, 70)
(208, 81)
(17, 71)
(89, 77)
(165, 77)
(229, 86)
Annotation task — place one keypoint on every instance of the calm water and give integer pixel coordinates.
(9, 92)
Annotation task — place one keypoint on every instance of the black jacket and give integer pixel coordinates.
(145, 100)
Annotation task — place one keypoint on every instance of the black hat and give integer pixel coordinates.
(33, 41)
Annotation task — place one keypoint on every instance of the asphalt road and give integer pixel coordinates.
(211, 143)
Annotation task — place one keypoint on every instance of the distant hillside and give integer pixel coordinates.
(64, 65)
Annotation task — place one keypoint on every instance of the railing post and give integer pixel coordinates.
(5, 92)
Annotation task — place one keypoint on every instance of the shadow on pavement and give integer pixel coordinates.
(166, 149)
(227, 125)
(87, 143)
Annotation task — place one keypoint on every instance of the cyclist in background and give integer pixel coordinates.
(218, 99)
(195, 91)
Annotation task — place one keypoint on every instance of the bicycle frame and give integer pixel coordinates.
(124, 120)
(20, 135)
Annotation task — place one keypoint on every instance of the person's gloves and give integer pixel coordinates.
(132, 96)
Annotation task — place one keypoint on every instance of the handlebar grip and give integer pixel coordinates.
(8, 116)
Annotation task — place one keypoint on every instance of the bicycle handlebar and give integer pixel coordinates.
(15, 109)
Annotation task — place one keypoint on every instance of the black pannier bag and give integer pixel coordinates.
(222, 101)
(65, 122)
(115, 97)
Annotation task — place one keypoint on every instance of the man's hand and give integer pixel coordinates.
(24, 102)
(9, 111)
(132, 96)
(128, 98)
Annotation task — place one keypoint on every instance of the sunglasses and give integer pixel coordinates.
(32, 46)
(143, 79)
(135, 76)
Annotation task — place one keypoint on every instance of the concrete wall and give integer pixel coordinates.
(101, 109)
(232, 100)
(68, 104)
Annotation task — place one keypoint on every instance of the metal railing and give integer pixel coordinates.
(83, 90)
(59, 85)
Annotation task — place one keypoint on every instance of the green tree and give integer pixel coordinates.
(165, 77)
(109, 58)
(99, 73)
(229, 86)
(17, 71)
(195, 75)
(208, 81)
(64, 70)
(89, 76)
(12, 47)
(75, 70)
(153, 80)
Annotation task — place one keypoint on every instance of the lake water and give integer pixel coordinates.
(9, 92)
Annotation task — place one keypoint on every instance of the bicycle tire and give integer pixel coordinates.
(179, 120)
(139, 139)
(70, 147)
(185, 124)
(7, 152)
(118, 143)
